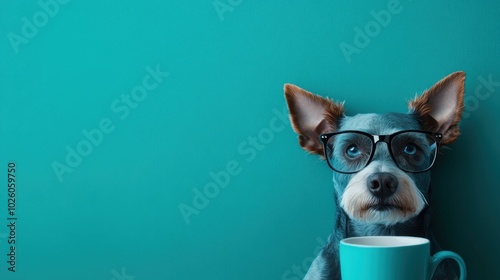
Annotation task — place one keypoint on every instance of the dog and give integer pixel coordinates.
(381, 164)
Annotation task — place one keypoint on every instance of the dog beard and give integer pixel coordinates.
(362, 206)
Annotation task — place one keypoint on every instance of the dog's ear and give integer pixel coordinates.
(311, 115)
(440, 108)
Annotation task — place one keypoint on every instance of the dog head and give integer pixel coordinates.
(381, 161)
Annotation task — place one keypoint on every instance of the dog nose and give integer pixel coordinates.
(382, 185)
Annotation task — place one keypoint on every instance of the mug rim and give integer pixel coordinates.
(390, 241)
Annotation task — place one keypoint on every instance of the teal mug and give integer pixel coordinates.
(391, 258)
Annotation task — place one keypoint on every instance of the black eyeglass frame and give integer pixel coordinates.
(380, 138)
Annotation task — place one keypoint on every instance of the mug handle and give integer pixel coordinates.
(440, 256)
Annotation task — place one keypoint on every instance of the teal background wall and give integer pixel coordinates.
(110, 150)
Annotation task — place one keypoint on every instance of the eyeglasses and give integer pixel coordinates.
(350, 151)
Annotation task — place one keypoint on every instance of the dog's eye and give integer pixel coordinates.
(353, 151)
(410, 149)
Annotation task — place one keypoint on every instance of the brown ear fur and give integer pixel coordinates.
(311, 116)
(440, 108)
